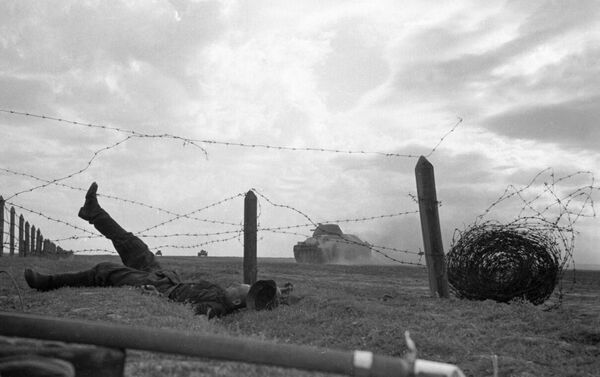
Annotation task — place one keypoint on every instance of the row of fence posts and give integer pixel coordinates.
(430, 228)
(29, 240)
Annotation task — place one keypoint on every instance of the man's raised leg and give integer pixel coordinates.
(133, 251)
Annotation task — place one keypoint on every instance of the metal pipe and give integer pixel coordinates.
(206, 346)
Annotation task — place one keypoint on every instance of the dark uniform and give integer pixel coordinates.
(139, 268)
(204, 296)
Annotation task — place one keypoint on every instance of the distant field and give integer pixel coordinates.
(345, 307)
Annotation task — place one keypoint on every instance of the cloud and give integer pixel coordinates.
(20, 93)
(479, 65)
(82, 33)
(373, 75)
(354, 65)
(572, 124)
(123, 62)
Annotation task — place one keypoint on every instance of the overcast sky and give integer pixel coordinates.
(373, 76)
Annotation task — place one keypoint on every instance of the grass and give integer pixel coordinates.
(344, 307)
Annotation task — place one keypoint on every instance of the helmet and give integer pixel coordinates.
(263, 295)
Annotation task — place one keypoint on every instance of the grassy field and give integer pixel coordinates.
(344, 307)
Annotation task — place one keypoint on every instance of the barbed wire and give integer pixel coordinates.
(237, 236)
(337, 221)
(97, 250)
(237, 231)
(512, 191)
(377, 249)
(93, 235)
(459, 121)
(49, 218)
(76, 237)
(131, 133)
(404, 251)
(283, 206)
(195, 142)
(525, 257)
(112, 197)
(177, 217)
(71, 175)
(418, 264)
(284, 232)
(281, 229)
(136, 134)
(350, 242)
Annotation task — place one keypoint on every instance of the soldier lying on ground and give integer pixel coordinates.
(142, 270)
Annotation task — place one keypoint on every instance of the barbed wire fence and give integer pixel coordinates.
(221, 236)
(523, 257)
(236, 230)
(20, 237)
(541, 211)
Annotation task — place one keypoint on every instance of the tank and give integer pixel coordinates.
(329, 245)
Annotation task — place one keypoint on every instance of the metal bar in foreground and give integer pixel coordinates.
(217, 347)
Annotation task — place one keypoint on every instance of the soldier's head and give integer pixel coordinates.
(264, 294)
(237, 294)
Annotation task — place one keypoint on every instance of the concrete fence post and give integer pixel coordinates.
(250, 230)
(430, 227)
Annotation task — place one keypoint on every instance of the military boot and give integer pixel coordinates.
(97, 216)
(90, 208)
(43, 282)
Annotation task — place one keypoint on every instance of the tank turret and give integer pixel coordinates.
(329, 245)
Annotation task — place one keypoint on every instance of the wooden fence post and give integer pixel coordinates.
(26, 243)
(1, 225)
(11, 234)
(430, 226)
(250, 230)
(21, 236)
(46, 247)
(38, 243)
(32, 245)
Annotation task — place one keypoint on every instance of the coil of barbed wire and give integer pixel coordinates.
(504, 262)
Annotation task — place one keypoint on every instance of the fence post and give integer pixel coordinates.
(21, 237)
(32, 245)
(46, 247)
(38, 243)
(1, 225)
(26, 241)
(11, 234)
(250, 230)
(430, 227)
